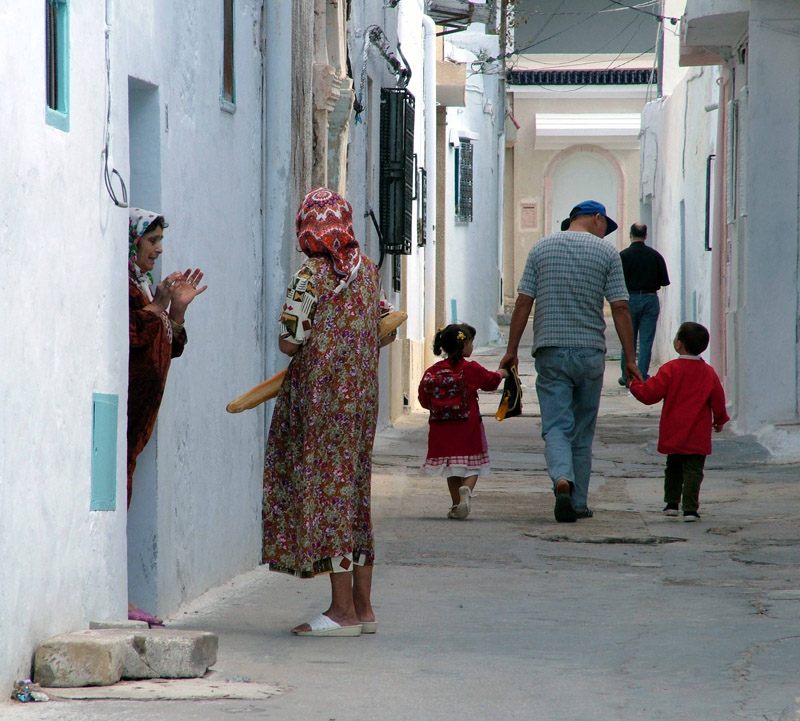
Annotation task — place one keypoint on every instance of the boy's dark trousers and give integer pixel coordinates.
(682, 477)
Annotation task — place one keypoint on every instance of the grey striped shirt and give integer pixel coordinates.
(568, 274)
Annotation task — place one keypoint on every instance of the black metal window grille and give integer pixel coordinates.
(396, 170)
(227, 52)
(52, 48)
(464, 196)
(422, 208)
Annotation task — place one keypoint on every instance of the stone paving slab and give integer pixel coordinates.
(207, 689)
(101, 657)
(87, 658)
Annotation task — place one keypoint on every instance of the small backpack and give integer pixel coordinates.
(447, 394)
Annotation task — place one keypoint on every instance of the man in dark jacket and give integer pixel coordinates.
(645, 272)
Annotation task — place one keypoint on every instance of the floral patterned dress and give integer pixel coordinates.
(317, 470)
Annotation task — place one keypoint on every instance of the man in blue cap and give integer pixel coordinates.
(568, 274)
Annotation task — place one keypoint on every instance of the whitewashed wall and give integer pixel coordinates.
(209, 463)
(759, 305)
(678, 134)
(766, 247)
(63, 294)
(63, 291)
(401, 361)
(473, 264)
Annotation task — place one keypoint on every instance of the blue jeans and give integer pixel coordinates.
(568, 384)
(644, 316)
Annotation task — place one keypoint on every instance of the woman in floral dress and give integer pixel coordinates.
(317, 472)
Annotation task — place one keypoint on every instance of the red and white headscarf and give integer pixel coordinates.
(325, 227)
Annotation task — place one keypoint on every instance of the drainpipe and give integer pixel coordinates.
(501, 153)
(429, 98)
(719, 237)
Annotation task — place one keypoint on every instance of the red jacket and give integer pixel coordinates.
(693, 401)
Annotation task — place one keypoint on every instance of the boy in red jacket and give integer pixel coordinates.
(694, 402)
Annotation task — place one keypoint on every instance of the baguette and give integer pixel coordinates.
(269, 388)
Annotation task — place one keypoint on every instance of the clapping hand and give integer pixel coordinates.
(185, 289)
(165, 289)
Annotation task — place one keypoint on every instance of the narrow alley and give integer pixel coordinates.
(508, 615)
(253, 182)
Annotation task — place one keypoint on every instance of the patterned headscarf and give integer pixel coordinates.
(139, 221)
(325, 227)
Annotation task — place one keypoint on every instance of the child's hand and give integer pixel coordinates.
(503, 372)
(718, 427)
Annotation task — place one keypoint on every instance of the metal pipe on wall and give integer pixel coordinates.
(429, 98)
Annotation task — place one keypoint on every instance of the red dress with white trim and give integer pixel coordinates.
(458, 447)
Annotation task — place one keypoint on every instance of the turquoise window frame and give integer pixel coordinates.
(105, 421)
(59, 117)
(229, 106)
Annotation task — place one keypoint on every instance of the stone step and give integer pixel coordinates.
(101, 657)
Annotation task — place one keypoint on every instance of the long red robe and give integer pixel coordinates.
(153, 345)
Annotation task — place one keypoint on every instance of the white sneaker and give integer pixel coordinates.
(462, 511)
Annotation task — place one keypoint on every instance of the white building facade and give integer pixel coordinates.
(471, 210)
(728, 190)
(151, 93)
(221, 116)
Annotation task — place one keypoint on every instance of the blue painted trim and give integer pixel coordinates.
(59, 117)
(56, 119)
(105, 416)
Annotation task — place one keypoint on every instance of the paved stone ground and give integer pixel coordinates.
(628, 616)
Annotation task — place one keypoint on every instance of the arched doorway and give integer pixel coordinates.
(582, 173)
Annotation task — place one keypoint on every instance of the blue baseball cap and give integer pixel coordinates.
(592, 207)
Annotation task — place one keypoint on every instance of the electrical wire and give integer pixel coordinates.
(632, 7)
(622, 6)
(648, 92)
(560, 32)
(108, 177)
(523, 17)
(652, 15)
(547, 22)
(608, 42)
(630, 40)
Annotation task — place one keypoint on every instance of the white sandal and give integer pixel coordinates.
(462, 509)
(322, 625)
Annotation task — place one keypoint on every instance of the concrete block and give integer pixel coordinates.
(85, 658)
(117, 624)
(101, 657)
(164, 653)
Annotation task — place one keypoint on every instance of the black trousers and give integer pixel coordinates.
(682, 478)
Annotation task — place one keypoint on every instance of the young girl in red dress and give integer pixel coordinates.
(457, 446)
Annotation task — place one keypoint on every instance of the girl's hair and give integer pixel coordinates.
(452, 340)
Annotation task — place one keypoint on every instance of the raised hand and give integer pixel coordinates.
(185, 289)
(164, 291)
